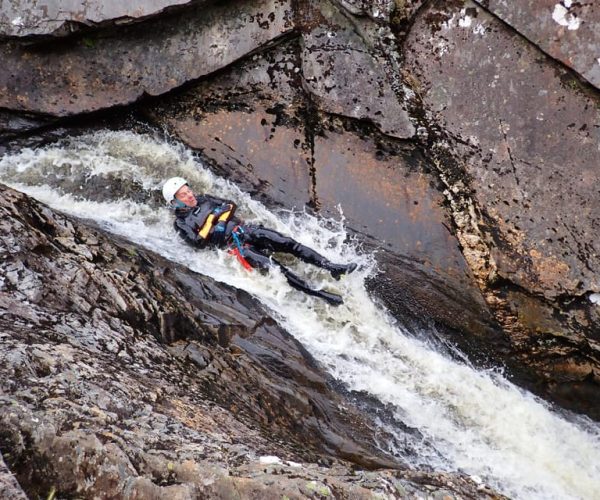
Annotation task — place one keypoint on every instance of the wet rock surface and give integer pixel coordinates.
(257, 125)
(523, 156)
(20, 18)
(567, 31)
(111, 68)
(124, 375)
(338, 63)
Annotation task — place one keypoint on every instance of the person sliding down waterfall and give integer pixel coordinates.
(209, 221)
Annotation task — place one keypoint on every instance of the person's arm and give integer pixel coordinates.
(189, 233)
(222, 205)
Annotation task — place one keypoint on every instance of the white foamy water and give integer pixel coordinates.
(470, 421)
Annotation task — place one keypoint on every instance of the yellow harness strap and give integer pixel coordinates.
(211, 220)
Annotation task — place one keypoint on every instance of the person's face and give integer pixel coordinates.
(186, 195)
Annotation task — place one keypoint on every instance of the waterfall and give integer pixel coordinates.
(467, 420)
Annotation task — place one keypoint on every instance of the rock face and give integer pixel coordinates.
(337, 65)
(126, 376)
(461, 144)
(448, 131)
(567, 31)
(263, 125)
(109, 69)
(43, 17)
(524, 151)
(520, 171)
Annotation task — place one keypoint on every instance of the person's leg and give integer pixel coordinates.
(259, 260)
(274, 241)
(299, 284)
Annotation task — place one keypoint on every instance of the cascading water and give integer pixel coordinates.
(468, 420)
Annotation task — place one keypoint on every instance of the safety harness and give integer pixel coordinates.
(237, 248)
(218, 219)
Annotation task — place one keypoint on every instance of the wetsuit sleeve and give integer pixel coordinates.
(189, 234)
(221, 201)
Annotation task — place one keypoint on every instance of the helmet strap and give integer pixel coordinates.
(175, 204)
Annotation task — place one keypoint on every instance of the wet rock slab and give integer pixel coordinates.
(567, 31)
(21, 18)
(526, 133)
(248, 124)
(388, 195)
(256, 125)
(125, 375)
(346, 76)
(118, 67)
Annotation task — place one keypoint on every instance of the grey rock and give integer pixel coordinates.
(13, 124)
(379, 10)
(338, 67)
(9, 487)
(566, 31)
(20, 18)
(116, 68)
(525, 149)
(518, 152)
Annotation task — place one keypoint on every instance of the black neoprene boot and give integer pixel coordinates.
(299, 284)
(332, 298)
(337, 270)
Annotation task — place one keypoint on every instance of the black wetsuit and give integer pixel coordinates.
(258, 243)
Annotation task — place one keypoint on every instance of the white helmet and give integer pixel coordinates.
(171, 186)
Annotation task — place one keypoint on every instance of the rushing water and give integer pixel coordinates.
(468, 420)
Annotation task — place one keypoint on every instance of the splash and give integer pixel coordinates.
(467, 420)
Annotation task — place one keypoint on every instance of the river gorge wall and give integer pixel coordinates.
(461, 140)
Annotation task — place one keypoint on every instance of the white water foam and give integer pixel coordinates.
(471, 421)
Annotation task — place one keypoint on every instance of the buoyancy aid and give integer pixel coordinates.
(219, 214)
(198, 224)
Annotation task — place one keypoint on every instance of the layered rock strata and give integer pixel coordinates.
(127, 376)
